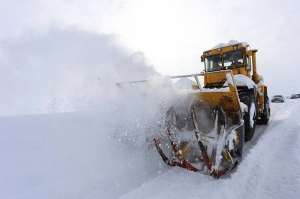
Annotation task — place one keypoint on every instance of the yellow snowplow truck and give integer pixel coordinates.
(207, 133)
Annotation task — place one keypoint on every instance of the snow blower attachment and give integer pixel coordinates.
(206, 136)
(206, 133)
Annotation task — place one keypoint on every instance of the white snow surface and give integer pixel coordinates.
(109, 154)
(230, 42)
(242, 80)
(185, 83)
(229, 79)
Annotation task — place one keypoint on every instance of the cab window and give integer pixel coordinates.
(234, 58)
(213, 63)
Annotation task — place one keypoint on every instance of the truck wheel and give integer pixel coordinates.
(265, 116)
(250, 116)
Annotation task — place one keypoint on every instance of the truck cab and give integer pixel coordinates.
(237, 57)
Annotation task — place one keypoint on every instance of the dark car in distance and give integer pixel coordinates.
(295, 96)
(277, 98)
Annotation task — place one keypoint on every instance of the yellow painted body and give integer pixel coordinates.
(247, 68)
(216, 113)
(227, 99)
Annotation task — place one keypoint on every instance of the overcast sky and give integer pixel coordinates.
(47, 47)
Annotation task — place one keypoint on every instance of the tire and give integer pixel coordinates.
(265, 116)
(250, 117)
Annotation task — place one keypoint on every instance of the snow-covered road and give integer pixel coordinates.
(270, 168)
(78, 155)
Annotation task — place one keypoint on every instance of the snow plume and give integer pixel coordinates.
(143, 109)
(65, 70)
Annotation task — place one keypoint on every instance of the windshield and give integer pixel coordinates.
(214, 62)
(234, 58)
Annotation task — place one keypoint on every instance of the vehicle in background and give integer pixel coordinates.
(277, 98)
(295, 96)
